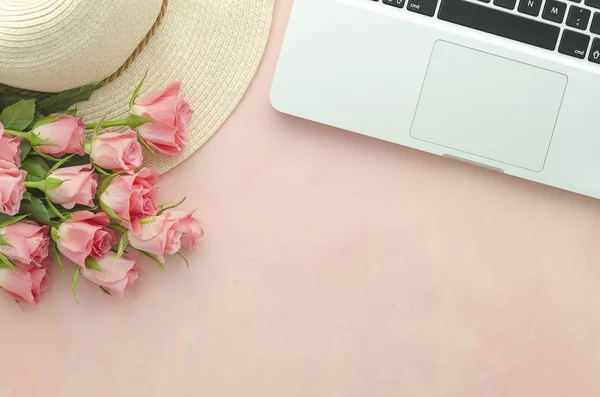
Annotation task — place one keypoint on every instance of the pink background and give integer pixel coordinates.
(333, 265)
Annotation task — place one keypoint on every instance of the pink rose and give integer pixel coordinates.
(156, 235)
(10, 150)
(11, 187)
(116, 151)
(25, 286)
(170, 113)
(132, 196)
(79, 187)
(118, 273)
(67, 132)
(28, 244)
(85, 234)
(189, 227)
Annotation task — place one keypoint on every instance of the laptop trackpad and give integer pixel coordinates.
(489, 106)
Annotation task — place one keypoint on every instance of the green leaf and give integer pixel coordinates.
(36, 117)
(137, 90)
(187, 263)
(163, 210)
(79, 160)
(60, 163)
(122, 244)
(36, 169)
(11, 220)
(53, 183)
(8, 98)
(154, 258)
(58, 256)
(36, 209)
(25, 147)
(71, 112)
(109, 211)
(64, 100)
(107, 292)
(74, 283)
(4, 262)
(18, 116)
(46, 120)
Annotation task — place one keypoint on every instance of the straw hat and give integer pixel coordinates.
(213, 46)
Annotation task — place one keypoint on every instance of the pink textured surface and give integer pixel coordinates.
(333, 265)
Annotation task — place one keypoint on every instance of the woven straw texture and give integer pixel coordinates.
(213, 46)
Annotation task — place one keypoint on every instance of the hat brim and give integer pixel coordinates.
(213, 47)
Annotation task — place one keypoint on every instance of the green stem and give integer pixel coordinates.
(132, 121)
(39, 185)
(107, 124)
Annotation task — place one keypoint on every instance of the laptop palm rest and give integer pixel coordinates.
(488, 106)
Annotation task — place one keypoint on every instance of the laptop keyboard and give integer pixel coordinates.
(572, 26)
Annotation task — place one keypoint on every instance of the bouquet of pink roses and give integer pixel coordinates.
(88, 200)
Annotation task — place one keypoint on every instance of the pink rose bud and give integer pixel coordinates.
(25, 286)
(79, 186)
(10, 150)
(116, 151)
(84, 234)
(170, 113)
(156, 235)
(11, 187)
(28, 244)
(66, 132)
(132, 196)
(189, 227)
(119, 273)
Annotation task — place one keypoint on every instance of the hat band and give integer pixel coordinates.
(138, 50)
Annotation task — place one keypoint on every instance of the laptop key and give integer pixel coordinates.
(593, 3)
(500, 23)
(530, 7)
(510, 4)
(595, 51)
(574, 44)
(425, 7)
(554, 11)
(395, 3)
(578, 17)
(595, 28)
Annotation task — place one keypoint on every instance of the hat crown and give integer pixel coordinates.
(53, 45)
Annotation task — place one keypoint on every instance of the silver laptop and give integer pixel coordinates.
(510, 85)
